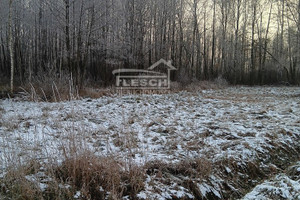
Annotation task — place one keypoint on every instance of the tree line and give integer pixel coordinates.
(245, 42)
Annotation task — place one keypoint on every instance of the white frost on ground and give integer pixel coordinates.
(280, 187)
(234, 122)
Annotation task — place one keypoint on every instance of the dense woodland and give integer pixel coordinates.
(242, 41)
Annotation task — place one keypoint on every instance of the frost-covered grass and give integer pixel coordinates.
(282, 186)
(204, 144)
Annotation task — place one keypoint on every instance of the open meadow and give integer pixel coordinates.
(231, 143)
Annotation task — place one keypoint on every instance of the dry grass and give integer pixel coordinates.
(199, 168)
(194, 86)
(58, 90)
(94, 93)
(61, 90)
(88, 173)
(95, 178)
(50, 87)
(108, 178)
(218, 83)
(81, 171)
(14, 185)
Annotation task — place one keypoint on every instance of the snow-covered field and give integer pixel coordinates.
(241, 136)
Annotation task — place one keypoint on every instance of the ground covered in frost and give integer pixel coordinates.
(237, 142)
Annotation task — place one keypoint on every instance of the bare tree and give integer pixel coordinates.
(11, 47)
(204, 38)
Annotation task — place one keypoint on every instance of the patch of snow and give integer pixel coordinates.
(142, 195)
(228, 170)
(77, 195)
(204, 189)
(279, 187)
(34, 179)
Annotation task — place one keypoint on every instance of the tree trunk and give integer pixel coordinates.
(252, 73)
(266, 46)
(67, 34)
(213, 48)
(11, 47)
